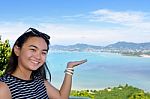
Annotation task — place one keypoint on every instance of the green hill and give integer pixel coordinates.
(120, 92)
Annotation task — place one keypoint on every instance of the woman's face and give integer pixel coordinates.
(33, 53)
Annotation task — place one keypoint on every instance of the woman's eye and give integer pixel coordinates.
(44, 53)
(32, 49)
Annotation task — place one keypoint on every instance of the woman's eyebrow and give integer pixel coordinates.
(33, 46)
(38, 48)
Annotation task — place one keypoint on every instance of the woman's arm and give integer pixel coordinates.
(65, 89)
(4, 91)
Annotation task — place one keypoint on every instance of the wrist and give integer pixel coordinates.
(69, 71)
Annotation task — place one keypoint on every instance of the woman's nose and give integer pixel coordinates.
(38, 55)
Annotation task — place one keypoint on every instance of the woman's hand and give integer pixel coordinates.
(75, 63)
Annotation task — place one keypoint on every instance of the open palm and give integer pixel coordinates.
(75, 63)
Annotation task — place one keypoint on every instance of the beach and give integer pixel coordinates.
(146, 56)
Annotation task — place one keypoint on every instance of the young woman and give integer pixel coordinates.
(25, 76)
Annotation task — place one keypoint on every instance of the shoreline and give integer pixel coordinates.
(145, 56)
(101, 89)
(109, 87)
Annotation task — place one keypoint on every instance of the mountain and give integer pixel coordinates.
(129, 45)
(76, 47)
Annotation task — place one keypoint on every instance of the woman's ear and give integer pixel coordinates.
(16, 50)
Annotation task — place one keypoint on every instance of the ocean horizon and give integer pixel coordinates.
(102, 70)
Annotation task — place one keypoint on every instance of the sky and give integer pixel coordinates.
(95, 22)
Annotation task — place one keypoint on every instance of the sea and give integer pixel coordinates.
(102, 70)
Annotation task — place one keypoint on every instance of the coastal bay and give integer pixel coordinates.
(102, 70)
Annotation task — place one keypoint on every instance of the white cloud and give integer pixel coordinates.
(135, 28)
(127, 17)
(130, 19)
(11, 30)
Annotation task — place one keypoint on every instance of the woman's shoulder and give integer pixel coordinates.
(4, 91)
(3, 86)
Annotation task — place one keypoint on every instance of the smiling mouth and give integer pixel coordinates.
(35, 62)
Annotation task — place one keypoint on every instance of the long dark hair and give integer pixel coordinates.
(13, 61)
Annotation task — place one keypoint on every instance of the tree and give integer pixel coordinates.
(5, 51)
(139, 95)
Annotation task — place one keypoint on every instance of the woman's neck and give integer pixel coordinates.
(22, 73)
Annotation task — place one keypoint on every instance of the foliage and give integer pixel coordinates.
(5, 51)
(82, 93)
(139, 95)
(120, 92)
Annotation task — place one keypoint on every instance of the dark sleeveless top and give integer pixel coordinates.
(25, 89)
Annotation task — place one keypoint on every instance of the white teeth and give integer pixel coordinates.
(35, 62)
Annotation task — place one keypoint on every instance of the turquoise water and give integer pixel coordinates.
(101, 71)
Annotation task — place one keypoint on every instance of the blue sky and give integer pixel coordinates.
(97, 22)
